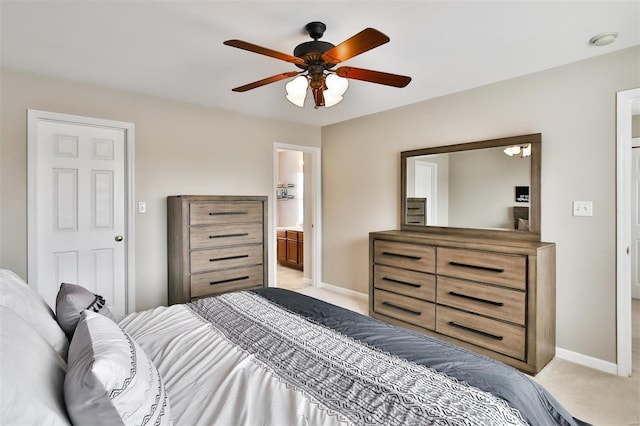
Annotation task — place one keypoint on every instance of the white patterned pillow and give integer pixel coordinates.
(73, 299)
(110, 380)
(31, 307)
(31, 375)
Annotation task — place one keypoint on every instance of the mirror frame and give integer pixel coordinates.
(533, 234)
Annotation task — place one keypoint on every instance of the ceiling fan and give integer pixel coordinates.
(316, 59)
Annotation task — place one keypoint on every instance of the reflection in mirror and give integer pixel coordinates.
(467, 189)
(488, 185)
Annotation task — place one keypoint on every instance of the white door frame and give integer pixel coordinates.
(33, 117)
(624, 100)
(316, 214)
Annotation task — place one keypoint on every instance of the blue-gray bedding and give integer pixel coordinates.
(534, 403)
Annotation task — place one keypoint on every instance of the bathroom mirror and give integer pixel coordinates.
(491, 187)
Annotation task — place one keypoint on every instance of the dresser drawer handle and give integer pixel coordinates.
(484, 333)
(406, 256)
(226, 213)
(413, 208)
(228, 258)
(400, 308)
(243, 234)
(417, 221)
(476, 299)
(484, 268)
(402, 282)
(230, 280)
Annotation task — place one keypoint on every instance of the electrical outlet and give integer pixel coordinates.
(583, 208)
(142, 207)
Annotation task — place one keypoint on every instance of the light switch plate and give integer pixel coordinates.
(583, 208)
(142, 207)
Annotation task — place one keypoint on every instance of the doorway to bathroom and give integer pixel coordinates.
(296, 219)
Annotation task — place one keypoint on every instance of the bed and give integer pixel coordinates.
(262, 357)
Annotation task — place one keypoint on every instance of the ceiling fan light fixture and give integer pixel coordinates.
(522, 151)
(336, 87)
(297, 90)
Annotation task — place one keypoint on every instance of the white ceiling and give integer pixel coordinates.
(174, 49)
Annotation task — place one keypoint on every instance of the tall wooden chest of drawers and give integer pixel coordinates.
(496, 297)
(216, 244)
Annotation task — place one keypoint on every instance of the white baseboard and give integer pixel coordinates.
(307, 281)
(587, 361)
(342, 290)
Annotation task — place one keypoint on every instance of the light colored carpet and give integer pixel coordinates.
(593, 396)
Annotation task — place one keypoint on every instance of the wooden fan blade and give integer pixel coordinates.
(264, 51)
(267, 80)
(379, 77)
(365, 40)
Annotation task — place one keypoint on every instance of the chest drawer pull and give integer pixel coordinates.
(476, 299)
(230, 280)
(405, 256)
(400, 308)
(243, 234)
(228, 258)
(401, 282)
(473, 330)
(226, 213)
(484, 268)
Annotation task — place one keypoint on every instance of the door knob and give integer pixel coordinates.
(119, 238)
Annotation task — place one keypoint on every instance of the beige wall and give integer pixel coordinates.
(573, 106)
(179, 149)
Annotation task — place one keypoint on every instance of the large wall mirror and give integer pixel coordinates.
(488, 188)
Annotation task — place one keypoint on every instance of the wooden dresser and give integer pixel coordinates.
(216, 244)
(416, 213)
(496, 297)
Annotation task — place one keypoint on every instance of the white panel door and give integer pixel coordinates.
(80, 213)
(425, 187)
(635, 219)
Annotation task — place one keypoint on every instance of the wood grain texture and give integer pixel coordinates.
(510, 318)
(483, 266)
(488, 300)
(499, 336)
(407, 309)
(409, 283)
(409, 256)
(215, 239)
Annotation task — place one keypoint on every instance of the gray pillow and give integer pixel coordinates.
(72, 299)
(110, 380)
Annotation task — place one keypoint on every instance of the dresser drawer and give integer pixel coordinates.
(223, 258)
(402, 255)
(212, 283)
(402, 281)
(507, 339)
(209, 213)
(497, 302)
(224, 235)
(495, 268)
(413, 311)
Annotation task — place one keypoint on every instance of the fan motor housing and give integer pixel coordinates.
(311, 51)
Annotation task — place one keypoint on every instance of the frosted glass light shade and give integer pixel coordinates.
(512, 150)
(297, 90)
(523, 151)
(336, 84)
